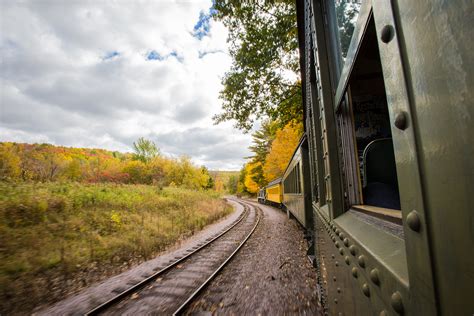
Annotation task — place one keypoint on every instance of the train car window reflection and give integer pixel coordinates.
(347, 12)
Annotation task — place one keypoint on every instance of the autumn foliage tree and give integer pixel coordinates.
(282, 149)
(272, 153)
(46, 163)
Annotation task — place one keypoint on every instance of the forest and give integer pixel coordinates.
(48, 163)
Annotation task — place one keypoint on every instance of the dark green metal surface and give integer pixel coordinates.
(436, 44)
(427, 266)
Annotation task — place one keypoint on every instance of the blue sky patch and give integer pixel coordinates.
(203, 26)
(178, 57)
(154, 55)
(111, 55)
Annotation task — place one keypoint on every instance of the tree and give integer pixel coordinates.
(145, 150)
(136, 171)
(263, 80)
(262, 142)
(210, 182)
(250, 185)
(9, 162)
(282, 149)
(232, 184)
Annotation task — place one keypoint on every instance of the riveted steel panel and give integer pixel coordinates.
(437, 48)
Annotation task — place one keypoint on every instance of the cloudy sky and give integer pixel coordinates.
(103, 73)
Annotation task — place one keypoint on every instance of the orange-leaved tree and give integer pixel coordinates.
(282, 149)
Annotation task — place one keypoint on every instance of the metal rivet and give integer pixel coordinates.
(338, 290)
(347, 260)
(337, 264)
(413, 221)
(366, 289)
(361, 260)
(374, 276)
(341, 235)
(333, 256)
(333, 238)
(396, 302)
(346, 242)
(334, 279)
(355, 272)
(338, 244)
(341, 251)
(387, 33)
(401, 121)
(338, 232)
(353, 250)
(335, 300)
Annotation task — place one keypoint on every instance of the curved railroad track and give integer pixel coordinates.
(170, 290)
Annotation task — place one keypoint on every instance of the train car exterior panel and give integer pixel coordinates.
(296, 187)
(294, 204)
(261, 196)
(274, 192)
(412, 78)
(438, 57)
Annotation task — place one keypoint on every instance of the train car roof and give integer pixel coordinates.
(276, 181)
(302, 140)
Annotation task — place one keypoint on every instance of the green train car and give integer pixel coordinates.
(296, 196)
(388, 96)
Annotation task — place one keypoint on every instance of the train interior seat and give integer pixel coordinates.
(380, 175)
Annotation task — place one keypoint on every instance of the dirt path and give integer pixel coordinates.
(271, 275)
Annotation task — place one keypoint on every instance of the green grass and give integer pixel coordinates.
(61, 228)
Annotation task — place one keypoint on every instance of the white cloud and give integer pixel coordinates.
(58, 86)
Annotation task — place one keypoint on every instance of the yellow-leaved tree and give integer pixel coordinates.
(250, 185)
(282, 149)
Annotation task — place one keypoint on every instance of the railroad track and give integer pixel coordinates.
(171, 289)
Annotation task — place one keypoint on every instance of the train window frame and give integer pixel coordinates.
(351, 163)
(351, 220)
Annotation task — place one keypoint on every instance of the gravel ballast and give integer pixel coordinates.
(271, 275)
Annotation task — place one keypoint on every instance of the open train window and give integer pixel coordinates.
(364, 125)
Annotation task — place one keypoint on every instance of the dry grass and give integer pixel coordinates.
(51, 233)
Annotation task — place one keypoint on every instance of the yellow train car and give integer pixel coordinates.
(274, 192)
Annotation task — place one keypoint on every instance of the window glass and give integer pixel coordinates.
(347, 12)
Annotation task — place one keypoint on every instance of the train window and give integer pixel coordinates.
(364, 127)
(292, 184)
(346, 13)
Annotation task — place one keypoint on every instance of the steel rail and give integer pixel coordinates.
(96, 310)
(183, 306)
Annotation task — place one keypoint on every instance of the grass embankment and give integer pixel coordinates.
(53, 235)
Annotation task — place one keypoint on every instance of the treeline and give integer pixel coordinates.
(46, 163)
(273, 146)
